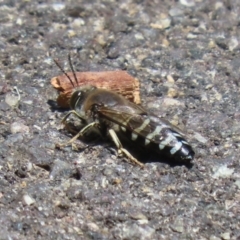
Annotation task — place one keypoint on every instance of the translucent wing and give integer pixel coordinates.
(139, 122)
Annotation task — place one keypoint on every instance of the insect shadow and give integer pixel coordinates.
(149, 156)
(54, 106)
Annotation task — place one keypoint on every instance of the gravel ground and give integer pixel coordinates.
(186, 56)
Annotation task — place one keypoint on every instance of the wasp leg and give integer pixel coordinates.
(79, 134)
(121, 149)
(69, 129)
(74, 113)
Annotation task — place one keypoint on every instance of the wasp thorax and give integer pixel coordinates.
(104, 98)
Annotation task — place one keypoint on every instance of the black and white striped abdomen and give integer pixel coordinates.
(174, 144)
(155, 133)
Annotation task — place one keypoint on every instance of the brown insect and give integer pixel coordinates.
(116, 118)
(118, 81)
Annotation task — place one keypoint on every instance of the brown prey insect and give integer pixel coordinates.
(114, 116)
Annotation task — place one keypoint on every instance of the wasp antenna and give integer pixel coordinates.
(64, 72)
(71, 66)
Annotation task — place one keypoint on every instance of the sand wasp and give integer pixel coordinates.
(114, 117)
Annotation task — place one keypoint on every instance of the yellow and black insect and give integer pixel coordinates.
(114, 116)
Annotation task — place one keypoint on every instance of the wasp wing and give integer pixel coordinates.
(137, 121)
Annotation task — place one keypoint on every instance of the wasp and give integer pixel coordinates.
(114, 117)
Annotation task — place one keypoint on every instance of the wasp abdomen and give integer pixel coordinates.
(154, 133)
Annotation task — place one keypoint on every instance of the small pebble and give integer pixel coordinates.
(238, 183)
(172, 93)
(223, 172)
(171, 102)
(93, 227)
(174, 12)
(187, 3)
(19, 127)
(170, 79)
(214, 238)
(233, 44)
(138, 216)
(200, 138)
(62, 170)
(28, 200)
(226, 236)
(178, 226)
(12, 100)
(191, 36)
(58, 6)
(162, 23)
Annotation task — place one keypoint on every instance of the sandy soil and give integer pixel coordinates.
(186, 56)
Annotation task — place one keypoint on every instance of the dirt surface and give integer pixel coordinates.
(186, 56)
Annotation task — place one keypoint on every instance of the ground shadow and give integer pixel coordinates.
(54, 106)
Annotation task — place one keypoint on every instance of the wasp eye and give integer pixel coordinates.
(75, 98)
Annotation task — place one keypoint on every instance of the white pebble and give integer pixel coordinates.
(19, 127)
(28, 200)
(223, 172)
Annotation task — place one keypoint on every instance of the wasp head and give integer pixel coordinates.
(79, 96)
